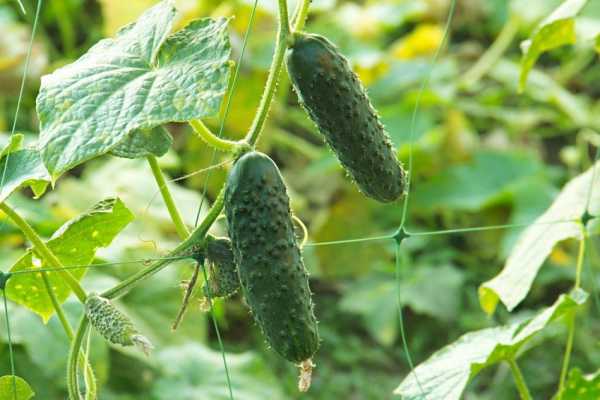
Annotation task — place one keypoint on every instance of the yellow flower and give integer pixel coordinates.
(370, 73)
(422, 41)
(560, 257)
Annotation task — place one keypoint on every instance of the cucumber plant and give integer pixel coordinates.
(115, 100)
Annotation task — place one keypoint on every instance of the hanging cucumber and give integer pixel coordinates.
(337, 102)
(270, 266)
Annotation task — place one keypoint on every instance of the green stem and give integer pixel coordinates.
(567, 357)
(493, 54)
(580, 257)
(72, 381)
(83, 361)
(571, 318)
(301, 15)
(211, 139)
(91, 391)
(57, 307)
(43, 250)
(265, 102)
(180, 227)
(519, 379)
(197, 237)
(296, 143)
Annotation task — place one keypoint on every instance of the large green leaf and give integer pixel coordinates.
(558, 29)
(22, 168)
(194, 372)
(558, 223)
(9, 383)
(75, 244)
(582, 387)
(140, 79)
(446, 373)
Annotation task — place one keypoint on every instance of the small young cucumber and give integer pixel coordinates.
(112, 324)
(337, 102)
(270, 266)
(223, 278)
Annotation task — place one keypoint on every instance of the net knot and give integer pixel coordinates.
(4, 277)
(587, 217)
(400, 235)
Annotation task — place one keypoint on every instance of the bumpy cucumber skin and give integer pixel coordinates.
(337, 102)
(270, 266)
(223, 280)
(111, 323)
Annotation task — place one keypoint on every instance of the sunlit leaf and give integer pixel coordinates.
(22, 168)
(75, 244)
(581, 387)
(140, 79)
(555, 31)
(14, 388)
(558, 223)
(445, 374)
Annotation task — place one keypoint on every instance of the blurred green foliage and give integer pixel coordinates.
(483, 154)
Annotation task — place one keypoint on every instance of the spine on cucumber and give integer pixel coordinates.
(337, 102)
(270, 266)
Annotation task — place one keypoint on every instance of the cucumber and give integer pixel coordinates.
(112, 324)
(270, 266)
(223, 280)
(336, 101)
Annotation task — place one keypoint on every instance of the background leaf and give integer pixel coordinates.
(474, 185)
(194, 372)
(140, 79)
(75, 244)
(427, 290)
(537, 241)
